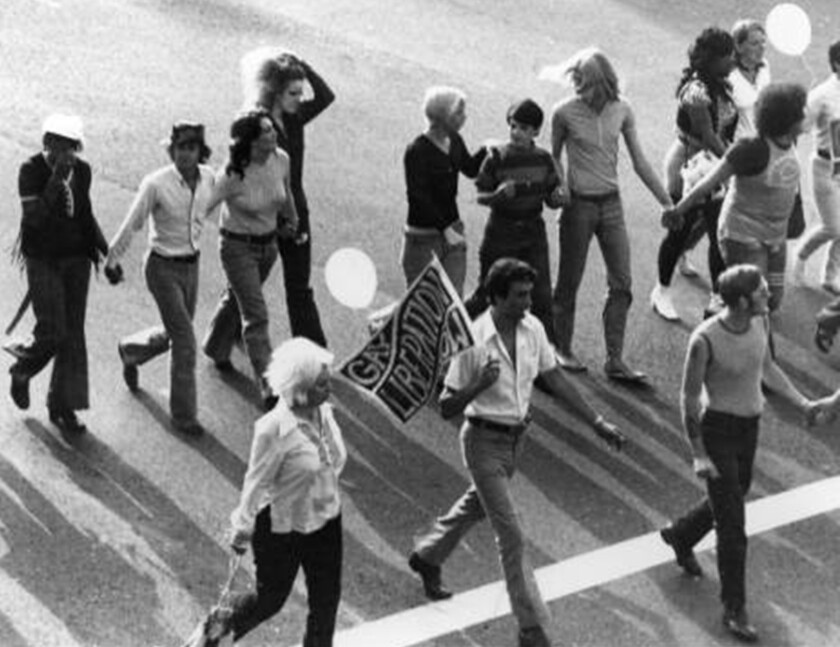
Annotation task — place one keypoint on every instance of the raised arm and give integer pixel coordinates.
(322, 95)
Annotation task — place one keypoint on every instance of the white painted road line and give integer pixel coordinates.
(579, 573)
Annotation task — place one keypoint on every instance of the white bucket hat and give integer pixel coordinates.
(67, 126)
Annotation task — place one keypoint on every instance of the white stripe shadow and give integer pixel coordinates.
(598, 567)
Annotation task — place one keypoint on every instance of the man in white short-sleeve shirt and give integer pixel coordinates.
(491, 383)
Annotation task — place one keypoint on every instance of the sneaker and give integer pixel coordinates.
(662, 304)
(685, 556)
(738, 624)
(686, 268)
(797, 273)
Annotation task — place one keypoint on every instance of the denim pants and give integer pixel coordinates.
(730, 442)
(278, 557)
(602, 217)
(525, 240)
(678, 241)
(59, 290)
(242, 306)
(416, 253)
(304, 319)
(827, 199)
(174, 286)
(491, 457)
(770, 259)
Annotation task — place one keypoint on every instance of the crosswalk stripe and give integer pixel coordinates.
(598, 567)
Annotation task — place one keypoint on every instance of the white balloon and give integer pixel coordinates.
(351, 277)
(789, 28)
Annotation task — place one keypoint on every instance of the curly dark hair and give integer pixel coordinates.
(712, 44)
(834, 54)
(778, 108)
(244, 131)
(505, 272)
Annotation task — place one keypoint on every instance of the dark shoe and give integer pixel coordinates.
(619, 371)
(430, 574)
(131, 377)
(269, 402)
(738, 624)
(568, 362)
(224, 366)
(533, 637)
(20, 391)
(66, 419)
(685, 556)
(192, 428)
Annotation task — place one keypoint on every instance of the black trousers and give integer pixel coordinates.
(278, 556)
(730, 442)
(304, 319)
(59, 291)
(678, 241)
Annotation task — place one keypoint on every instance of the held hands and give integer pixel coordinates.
(671, 219)
(506, 189)
(114, 273)
(609, 433)
(287, 228)
(704, 468)
(820, 412)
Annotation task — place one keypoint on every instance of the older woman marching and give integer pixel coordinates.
(289, 510)
(432, 163)
(254, 186)
(274, 80)
(590, 124)
(706, 122)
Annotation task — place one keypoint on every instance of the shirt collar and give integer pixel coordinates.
(288, 421)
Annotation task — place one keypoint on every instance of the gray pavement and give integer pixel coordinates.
(117, 538)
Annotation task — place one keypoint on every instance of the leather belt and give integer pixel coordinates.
(500, 427)
(253, 239)
(824, 153)
(597, 198)
(188, 258)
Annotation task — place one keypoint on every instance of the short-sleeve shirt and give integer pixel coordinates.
(592, 141)
(507, 400)
(695, 93)
(761, 193)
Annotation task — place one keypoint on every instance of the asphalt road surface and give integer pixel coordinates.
(117, 538)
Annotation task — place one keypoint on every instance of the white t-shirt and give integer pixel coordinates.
(744, 94)
(823, 114)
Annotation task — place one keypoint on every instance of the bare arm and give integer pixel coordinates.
(642, 167)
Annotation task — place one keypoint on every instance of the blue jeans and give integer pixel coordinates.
(490, 457)
(174, 286)
(247, 266)
(730, 442)
(59, 291)
(525, 240)
(602, 217)
(417, 252)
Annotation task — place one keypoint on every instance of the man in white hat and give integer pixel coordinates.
(59, 239)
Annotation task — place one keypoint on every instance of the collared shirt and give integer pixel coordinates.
(592, 140)
(744, 95)
(177, 212)
(506, 400)
(823, 113)
(294, 468)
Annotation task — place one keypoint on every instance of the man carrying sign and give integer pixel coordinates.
(491, 384)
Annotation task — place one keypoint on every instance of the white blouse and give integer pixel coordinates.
(294, 468)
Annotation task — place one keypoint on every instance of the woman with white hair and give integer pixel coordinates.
(289, 510)
(432, 163)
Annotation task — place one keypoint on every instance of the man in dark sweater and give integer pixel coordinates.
(515, 180)
(59, 238)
